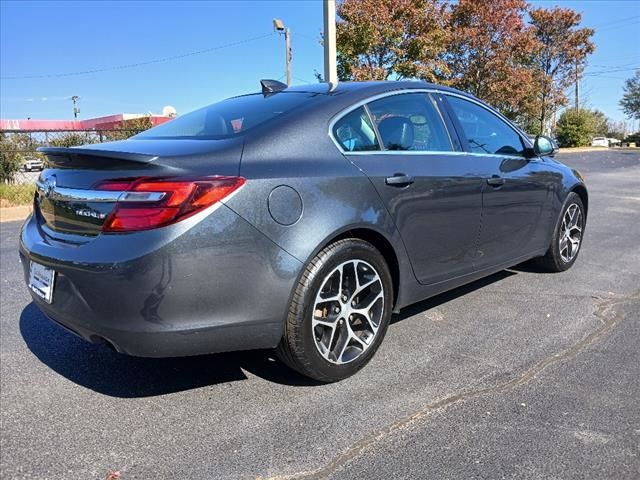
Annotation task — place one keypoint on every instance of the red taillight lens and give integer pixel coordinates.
(156, 202)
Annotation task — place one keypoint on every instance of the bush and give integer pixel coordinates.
(576, 128)
(633, 138)
(16, 194)
(70, 139)
(11, 157)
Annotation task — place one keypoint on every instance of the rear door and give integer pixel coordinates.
(516, 189)
(430, 189)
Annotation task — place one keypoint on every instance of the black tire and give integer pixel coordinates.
(298, 348)
(553, 260)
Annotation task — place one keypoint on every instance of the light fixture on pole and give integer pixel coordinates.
(76, 109)
(279, 27)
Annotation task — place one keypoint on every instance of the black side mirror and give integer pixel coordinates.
(544, 146)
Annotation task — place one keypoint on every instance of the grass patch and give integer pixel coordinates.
(12, 195)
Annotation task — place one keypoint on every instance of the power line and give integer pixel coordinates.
(626, 23)
(613, 71)
(619, 20)
(138, 64)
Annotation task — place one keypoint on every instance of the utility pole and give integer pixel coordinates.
(330, 67)
(279, 26)
(76, 109)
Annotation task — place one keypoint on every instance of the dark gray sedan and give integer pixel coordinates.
(296, 219)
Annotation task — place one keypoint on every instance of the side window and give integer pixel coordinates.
(485, 132)
(355, 132)
(410, 121)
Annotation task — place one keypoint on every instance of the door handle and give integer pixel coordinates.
(399, 180)
(496, 181)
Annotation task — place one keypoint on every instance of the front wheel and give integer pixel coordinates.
(567, 236)
(339, 313)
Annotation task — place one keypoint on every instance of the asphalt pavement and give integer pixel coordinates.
(524, 375)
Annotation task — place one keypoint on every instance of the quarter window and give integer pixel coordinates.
(410, 121)
(355, 132)
(485, 132)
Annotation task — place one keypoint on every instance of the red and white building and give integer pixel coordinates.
(109, 122)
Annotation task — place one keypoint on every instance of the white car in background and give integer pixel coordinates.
(600, 142)
(31, 164)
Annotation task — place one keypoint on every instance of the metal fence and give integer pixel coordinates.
(19, 146)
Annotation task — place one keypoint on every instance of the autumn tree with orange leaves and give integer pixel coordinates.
(391, 39)
(516, 57)
(490, 54)
(563, 50)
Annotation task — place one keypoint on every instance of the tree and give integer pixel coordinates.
(600, 123)
(576, 128)
(70, 139)
(128, 128)
(564, 48)
(490, 53)
(616, 129)
(377, 39)
(630, 101)
(12, 149)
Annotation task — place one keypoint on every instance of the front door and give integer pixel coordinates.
(432, 192)
(516, 191)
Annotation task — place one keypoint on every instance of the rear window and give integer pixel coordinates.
(230, 117)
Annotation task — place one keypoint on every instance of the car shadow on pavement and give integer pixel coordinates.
(445, 297)
(101, 369)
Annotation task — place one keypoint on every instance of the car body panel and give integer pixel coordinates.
(171, 291)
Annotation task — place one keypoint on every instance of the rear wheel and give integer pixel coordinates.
(567, 236)
(339, 313)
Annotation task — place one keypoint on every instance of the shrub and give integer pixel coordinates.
(576, 128)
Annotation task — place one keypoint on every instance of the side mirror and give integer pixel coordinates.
(544, 146)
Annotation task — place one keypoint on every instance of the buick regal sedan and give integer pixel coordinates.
(295, 218)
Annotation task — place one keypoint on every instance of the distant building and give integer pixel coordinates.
(109, 122)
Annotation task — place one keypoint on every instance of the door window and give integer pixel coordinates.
(355, 133)
(410, 121)
(485, 132)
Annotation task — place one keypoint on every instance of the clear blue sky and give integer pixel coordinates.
(50, 37)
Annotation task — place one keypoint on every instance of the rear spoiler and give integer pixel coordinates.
(78, 157)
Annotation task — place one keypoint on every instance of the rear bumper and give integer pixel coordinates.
(207, 284)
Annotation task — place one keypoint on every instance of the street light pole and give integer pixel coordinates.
(287, 45)
(330, 67)
(76, 110)
(278, 25)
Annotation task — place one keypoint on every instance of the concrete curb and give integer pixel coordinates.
(12, 214)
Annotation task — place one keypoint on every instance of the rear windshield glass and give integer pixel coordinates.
(230, 117)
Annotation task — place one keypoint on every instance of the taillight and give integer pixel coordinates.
(147, 203)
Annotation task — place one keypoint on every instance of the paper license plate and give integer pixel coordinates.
(41, 280)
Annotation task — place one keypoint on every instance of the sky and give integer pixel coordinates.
(190, 54)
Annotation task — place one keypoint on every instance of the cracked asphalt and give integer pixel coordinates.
(521, 375)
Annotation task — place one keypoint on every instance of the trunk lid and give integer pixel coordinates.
(67, 203)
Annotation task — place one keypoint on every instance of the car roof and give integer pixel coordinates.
(367, 88)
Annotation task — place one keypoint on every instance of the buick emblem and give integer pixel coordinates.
(49, 185)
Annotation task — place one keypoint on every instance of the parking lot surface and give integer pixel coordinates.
(521, 375)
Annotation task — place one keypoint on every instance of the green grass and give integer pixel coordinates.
(16, 194)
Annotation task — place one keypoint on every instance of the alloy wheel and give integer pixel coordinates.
(570, 233)
(347, 311)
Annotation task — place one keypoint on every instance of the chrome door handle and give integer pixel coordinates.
(399, 180)
(496, 181)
